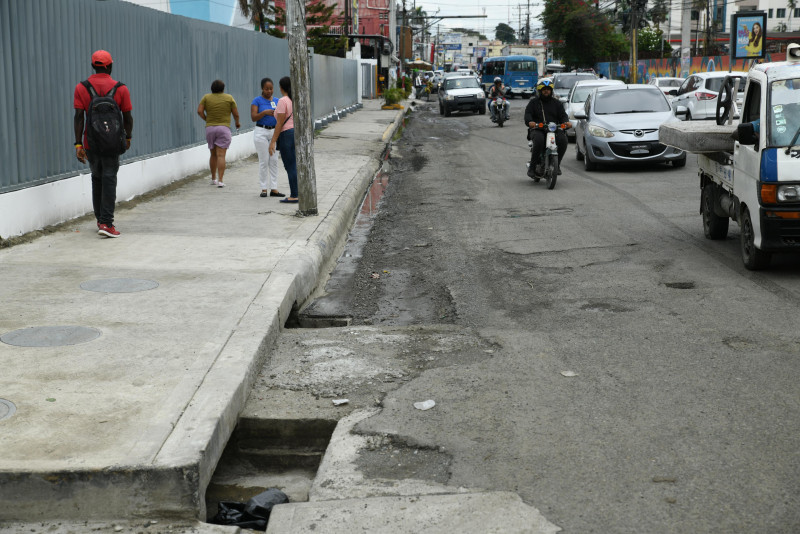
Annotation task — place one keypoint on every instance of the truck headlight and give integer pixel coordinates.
(448, 97)
(597, 131)
(789, 193)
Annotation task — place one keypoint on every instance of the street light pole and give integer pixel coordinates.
(301, 106)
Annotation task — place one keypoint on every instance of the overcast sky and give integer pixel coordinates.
(496, 11)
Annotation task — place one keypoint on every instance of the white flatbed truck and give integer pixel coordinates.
(750, 172)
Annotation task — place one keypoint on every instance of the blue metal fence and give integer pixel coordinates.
(167, 61)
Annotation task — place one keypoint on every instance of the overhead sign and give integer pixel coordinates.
(748, 35)
(449, 46)
(479, 51)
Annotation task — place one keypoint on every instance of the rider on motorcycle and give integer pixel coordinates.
(545, 109)
(498, 89)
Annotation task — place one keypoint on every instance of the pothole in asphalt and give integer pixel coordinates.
(680, 285)
(605, 307)
(7, 409)
(385, 458)
(50, 336)
(119, 285)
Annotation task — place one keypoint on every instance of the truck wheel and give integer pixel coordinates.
(446, 111)
(482, 110)
(578, 153)
(714, 226)
(679, 162)
(754, 259)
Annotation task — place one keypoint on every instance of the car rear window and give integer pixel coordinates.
(630, 101)
(669, 83)
(714, 84)
(567, 81)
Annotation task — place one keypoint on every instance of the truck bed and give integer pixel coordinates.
(698, 137)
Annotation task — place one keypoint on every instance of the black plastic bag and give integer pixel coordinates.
(252, 515)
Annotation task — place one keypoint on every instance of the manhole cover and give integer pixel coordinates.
(7, 409)
(50, 336)
(119, 285)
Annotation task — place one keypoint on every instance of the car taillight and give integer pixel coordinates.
(705, 96)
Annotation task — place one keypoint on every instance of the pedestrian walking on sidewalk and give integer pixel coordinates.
(262, 112)
(285, 138)
(102, 100)
(216, 109)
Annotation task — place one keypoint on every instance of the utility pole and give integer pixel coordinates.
(403, 42)
(686, 38)
(301, 99)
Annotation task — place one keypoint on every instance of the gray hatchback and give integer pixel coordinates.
(619, 124)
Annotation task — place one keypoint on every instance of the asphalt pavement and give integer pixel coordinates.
(125, 362)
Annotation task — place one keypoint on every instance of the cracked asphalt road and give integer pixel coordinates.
(586, 347)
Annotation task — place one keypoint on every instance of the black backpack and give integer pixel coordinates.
(105, 130)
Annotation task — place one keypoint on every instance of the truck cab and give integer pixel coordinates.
(766, 162)
(750, 172)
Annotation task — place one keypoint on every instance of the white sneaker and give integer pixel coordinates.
(220, 184)
(214, 182)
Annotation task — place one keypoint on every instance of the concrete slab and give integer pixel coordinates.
(491, 512)
(698, 136)
(133, 423)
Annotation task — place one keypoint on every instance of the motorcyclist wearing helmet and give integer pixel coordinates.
(545, 109)
(498, 89)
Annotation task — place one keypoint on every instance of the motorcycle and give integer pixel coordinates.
(547, 166)
(500, 110)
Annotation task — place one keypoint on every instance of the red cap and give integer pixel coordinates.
(101, 58)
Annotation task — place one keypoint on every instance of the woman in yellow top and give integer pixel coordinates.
(754, 44)
(216, 109)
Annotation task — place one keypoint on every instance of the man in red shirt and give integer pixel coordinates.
(104, 168)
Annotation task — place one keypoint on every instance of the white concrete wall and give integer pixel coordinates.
(34, 208)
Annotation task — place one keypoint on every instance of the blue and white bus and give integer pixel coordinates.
(519, 73)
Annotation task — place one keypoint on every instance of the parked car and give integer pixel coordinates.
(619, 124)
(578, 95)
(563, 81)
(698, 93)
(459, 93)
(666, 84)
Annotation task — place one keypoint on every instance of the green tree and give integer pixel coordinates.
(257, 11)
(505, 33)
(581, 34)
(472, 33)
(659, 12)
(649, 40)
(319, 19)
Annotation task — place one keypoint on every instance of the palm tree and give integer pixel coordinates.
(257, 11)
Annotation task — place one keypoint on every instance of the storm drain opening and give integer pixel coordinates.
(298, 319)
(269, 453)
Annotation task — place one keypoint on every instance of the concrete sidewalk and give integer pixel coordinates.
(127, 415)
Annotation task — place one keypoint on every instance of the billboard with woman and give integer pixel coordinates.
(748, 38)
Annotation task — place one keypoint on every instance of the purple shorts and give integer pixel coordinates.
(218, 135)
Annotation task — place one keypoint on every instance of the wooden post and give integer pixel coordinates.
(301, 103)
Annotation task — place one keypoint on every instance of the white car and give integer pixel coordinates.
(666, 84)
(461, 93)
(698, 93)
(578, 95)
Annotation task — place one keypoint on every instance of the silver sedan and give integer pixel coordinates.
(619, 124)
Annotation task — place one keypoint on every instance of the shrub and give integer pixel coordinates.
(393, 95)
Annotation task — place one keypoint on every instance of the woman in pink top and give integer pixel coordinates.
(285, 139)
